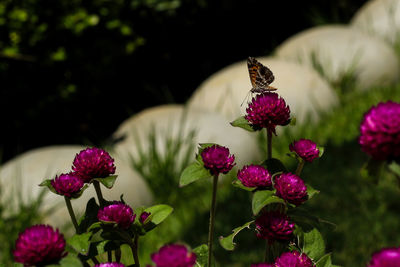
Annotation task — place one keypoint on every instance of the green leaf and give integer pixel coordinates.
(90, 215)
(49, 186)
(394, 167)
(326, 261)
(108, 182)
(237, 183)
(202, 255)
(304, 218)
(241, 122)
(311, 191)
(321, 150)
(159, 213)
(68, 261)
(80, 243)
(313, 244)
(192, 173)
(263, 198)
(227, 242)
(274, 165)
(293, 121)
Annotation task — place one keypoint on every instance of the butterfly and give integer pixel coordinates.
(260, 76)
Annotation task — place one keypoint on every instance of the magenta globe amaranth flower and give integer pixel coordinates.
(67, 184)
(268, 110)
(305, 149)
(118, 213)
(174, 256)
(386, 257)
(291, 188)
(39, 245)
(109, 264)
(254, 176)
(93, 163)
(143, 217)
(217, 159)
(274, 225)
(380, 131)
(262, 265)
(294, 259)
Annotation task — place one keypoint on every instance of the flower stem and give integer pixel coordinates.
(300, 167)
(96, 185)
(269, 144)
(267, 251)
(134, 249)
(212, 218)
(118, 255)
(71, 213)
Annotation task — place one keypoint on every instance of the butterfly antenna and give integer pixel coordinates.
(246, 98)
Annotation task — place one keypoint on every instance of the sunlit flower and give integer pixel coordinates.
(380, 131)
(39, 245)
(305, 149)
(386, 257)
(217, 159)
(274, 225)
(254, 176)
(174, 256)
(109, 264)
(268, 110)
(291, 188)
(118, 213)
(67, 184)
(294, 259)
(93, 163)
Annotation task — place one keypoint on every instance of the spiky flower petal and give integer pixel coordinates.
(274, 225)
(255, 176)
(291, 188)
(217, 159)
(305, 149)
(118, 213)
(67, 184)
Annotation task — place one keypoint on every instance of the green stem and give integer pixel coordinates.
(212, 218)
(267, 252)
(134, 249)
(269, 144)
(109, 256)
(95, 261)
(118, 255)
(300, 167)
(71, 212)
(96, 185)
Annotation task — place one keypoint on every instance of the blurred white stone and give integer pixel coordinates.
(302, 88)
(340, 49)
(172, 121)
(24, 173)
(381, 18)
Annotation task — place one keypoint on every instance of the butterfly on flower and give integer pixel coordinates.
(260, 76)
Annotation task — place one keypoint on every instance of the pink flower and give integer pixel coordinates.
(39, 245)
(144, 216)
(268, 110)
(262, 265)
(273, 225)
(118, 213)
(254, 176)
(67, 184)
(294, 259)
(217, 159)
(174, 256)
(109, 264)
(93, 163)
(380, 131)
(386, 257)
(305, 149)
(291, 188)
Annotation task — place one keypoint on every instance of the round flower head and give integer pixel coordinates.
(174, 256)
(217, 159)
(268, 110)
(294, 259)
(386, 257)
(380, 131)
(119, 213)
(93, 163)
(262, 265)
(144, 216)
(109, 264)
(254, 176)
(67, 184)
(305, 149)
(274, 225)
(291, 188)
(39, 245)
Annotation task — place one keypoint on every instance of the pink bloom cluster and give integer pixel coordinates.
(255, 176)
(174, 255)
(305, 149)
(386, 257)
(274, 226)
(119, 213)
(217, 159)
(289, 259)
(291, 188)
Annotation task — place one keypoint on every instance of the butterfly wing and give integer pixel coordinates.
(260, 76)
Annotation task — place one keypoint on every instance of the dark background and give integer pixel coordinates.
(71, 71)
